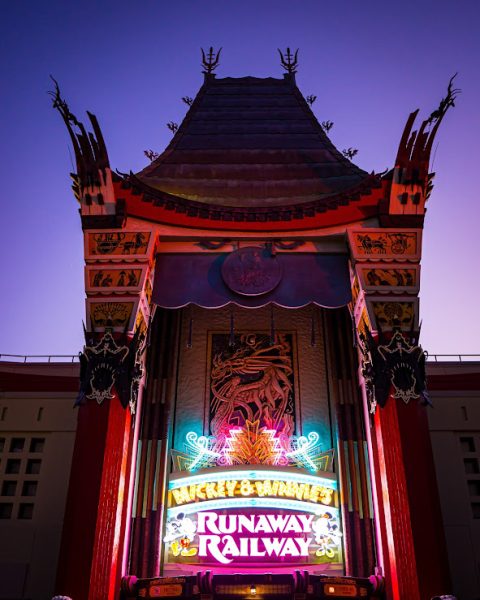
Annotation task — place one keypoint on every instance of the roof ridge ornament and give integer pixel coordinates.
(445, 103)
(89, 147)
(412, 183)
(289, 61)
(210, 61)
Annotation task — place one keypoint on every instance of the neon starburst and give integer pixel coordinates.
(253, 445)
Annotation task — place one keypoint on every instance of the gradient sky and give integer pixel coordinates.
(369, 63)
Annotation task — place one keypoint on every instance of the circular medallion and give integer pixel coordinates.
(251, 271)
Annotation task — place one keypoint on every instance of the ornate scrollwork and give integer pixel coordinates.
(395, 369)
(108, 368)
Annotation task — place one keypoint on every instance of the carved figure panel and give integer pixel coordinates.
(390, 314)
(110, 314)
(381, 277)
(251, 381)
(114, 278)
(385, 244)
(117, 243)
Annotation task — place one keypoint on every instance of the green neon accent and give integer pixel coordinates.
(137, 477)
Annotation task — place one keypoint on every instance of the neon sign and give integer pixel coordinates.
(258, 536)
(252, 444)
(239, 516)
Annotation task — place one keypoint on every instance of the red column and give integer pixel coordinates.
(414, 546)
(92, 540)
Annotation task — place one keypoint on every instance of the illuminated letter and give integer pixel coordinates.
(254, 551)
(326, 495)
(222, 523)
(273, 545)
(207, 522)
(304, 544)
(290, 548)
(277, 522)
(230, 547)
(209, 544)
(306, 522)
(247, 523)
(231, 485)
(246, 488)
(181, 495)
(211, 491)
(293, 525)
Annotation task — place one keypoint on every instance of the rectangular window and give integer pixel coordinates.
(474, 487)
(3, 413)
(476, 510)
(25, 511)
(17, 444)
(6, 510)
(33, 466)
(9, 488)
(467, 444)
(13, 466)
(29, 488)
(37, 444)
(2, 444)
(471, 465)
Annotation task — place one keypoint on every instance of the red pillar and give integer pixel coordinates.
(411, 523)
(95, 515)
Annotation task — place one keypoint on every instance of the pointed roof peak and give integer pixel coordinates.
(251, 141)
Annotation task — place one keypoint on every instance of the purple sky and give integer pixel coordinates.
(369, 64)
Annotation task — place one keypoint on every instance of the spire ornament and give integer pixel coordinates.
(210, 61)
(289, 61)
(445, 103)
(89, 147)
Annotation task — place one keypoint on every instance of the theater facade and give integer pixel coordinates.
(252, 411)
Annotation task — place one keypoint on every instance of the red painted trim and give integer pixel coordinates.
(355, 211)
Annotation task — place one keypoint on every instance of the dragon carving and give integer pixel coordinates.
(254, 383)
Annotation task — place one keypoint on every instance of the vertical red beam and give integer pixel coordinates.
(92, 539)
(416, 558)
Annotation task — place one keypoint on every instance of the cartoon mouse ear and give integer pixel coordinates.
(180, 516)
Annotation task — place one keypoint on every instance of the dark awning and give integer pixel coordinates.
(182, 279)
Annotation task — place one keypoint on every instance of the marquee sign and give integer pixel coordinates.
(223, 517)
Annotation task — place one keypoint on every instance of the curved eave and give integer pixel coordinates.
(352, 206)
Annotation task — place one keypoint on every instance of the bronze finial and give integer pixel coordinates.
(187, 100)
(151, 155)
(172, 126)
(311, 99)
(61, 105)
(349, 153)
(210, 61)
(289, 61)
(445, 103)
(326, 125)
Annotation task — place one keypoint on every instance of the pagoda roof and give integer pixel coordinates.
(254, 143)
